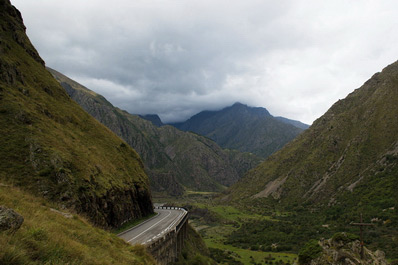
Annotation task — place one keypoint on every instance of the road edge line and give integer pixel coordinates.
(131, 228)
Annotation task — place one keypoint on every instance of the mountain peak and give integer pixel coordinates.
(259, 111)
(244, 128)
(239, 104)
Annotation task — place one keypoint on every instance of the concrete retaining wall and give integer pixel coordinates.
(167, 247)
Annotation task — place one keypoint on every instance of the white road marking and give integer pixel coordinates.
(149, 227)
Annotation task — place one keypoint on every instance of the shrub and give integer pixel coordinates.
(310, 251)
(344, 237)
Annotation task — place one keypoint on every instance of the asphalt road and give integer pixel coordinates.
(152, 228)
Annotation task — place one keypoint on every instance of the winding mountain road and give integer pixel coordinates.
(155, 227)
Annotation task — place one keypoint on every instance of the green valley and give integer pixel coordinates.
(75, 170)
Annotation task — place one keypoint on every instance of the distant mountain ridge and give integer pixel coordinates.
(175, 160)
(154, 118)
(295, 123)
(244, 128)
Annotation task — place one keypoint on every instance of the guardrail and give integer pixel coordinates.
(173, 227)
(167, 245)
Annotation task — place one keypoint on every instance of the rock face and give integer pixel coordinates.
(9, 219)
(243, 128)
(50, 146)
(175, 160)
(346, 252)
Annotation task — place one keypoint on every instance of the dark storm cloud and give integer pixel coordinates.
(176, 58)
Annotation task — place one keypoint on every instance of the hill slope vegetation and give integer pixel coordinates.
(345, 164)
(53, 148)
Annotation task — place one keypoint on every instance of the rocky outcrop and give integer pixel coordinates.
(9, 219)
(117, 206)
(340, 250)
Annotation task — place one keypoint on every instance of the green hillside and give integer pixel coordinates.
(352, 144)
(53, 148)
(51, 236)
(345, 164)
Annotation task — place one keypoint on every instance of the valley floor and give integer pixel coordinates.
(215, 223)
(238, 234)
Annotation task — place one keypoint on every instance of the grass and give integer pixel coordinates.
(49, 145)
(47, 237)
(248, 256)
(192, 192)
(230, 219)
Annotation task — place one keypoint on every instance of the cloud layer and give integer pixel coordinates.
(175, 58)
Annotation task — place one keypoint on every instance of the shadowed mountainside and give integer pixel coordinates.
(175, 160)
(243, 128)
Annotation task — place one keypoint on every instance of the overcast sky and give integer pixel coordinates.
(176, 58)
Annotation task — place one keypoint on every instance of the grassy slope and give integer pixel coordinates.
(52, 147)
(194, 251)
(341, 146)
(47, 237)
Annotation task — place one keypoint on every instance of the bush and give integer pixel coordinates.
(344, 237)
(310, 251)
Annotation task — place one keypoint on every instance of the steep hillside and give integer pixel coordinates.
(353, 144)
(242, 128)
(174, 160)
(50, 146)
(344, 165)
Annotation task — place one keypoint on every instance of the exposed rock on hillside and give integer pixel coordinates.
(354, 143)
(345, 164)
(243, 128)
(341, 250)
(174, 160)
(9, 219)
(50, 146)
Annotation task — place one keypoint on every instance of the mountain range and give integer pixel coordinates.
(175, 160)
(63, 170)
(244, 128)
